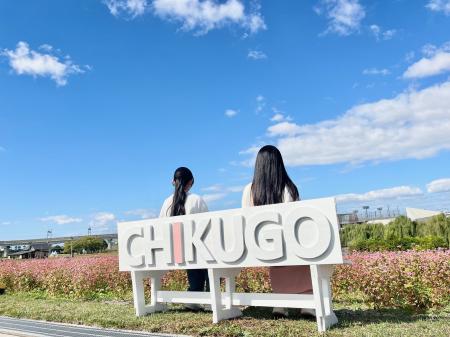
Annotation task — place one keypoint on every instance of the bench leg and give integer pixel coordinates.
(137, 279)
(320, 276)
(221, 310)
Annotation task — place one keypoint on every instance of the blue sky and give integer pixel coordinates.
(101, 100)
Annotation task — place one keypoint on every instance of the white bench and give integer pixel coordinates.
(297, 233)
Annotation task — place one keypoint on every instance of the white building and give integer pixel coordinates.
(417, 214)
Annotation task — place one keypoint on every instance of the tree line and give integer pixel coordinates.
(400, 234)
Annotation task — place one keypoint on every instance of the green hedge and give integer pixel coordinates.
(417, 243)
(400, 234)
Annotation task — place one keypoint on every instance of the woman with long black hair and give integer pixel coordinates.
(182, 202)
(271, 185)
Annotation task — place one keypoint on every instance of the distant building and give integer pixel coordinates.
(384, 221)
(417, 214)
(348, 218)
(34, 251)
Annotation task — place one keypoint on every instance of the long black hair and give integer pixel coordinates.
(270, 178)
(181, 178)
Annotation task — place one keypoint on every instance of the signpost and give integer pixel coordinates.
(296, 233)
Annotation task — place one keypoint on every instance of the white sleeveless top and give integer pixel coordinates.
(247, 196)
(194, 204)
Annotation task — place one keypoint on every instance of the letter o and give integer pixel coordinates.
(323, 229)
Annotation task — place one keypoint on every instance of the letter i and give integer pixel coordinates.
(177, 234)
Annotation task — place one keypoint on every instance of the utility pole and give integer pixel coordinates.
(49, 235)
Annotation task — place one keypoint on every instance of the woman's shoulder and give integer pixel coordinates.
(195, 204)
(169, 199)
(194, 197)
(247, 188)
(247, 196)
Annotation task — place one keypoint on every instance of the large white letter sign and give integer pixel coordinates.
(296, 233)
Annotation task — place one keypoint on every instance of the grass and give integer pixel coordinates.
(355, 319)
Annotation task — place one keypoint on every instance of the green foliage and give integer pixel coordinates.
(438, 225)
(406, 243)
(400, 234)
(88, 244)
(400, 228)
(359, 232)
(356, 319)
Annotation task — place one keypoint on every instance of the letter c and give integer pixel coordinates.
(130, 235)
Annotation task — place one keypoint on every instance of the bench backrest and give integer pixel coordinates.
(295, 233)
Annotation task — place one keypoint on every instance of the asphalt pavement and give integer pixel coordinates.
(31, 328)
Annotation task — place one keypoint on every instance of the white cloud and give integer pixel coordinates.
(437, 64)
(235, 189)
(212, 188)
(283, 129)
(230, 113)
(25, 61)
(381, 34)
(101, 221)
(375, 29)
(142, 213)
(414, 124)
(410, 56)
(46, 47)
(439, 6)
(439, 185)
(202, 16)
(387, 193)
(256, 55)
(375, 71)
(61, 219)
(219, 191)
(389, 34)
(430, 49)
(344, 16)
(132, 8)
(211, 197)
(260, 103)
(223, 189)
(277, 117)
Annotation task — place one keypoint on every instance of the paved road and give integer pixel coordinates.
(26, 327)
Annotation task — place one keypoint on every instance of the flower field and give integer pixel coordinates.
(409, 279)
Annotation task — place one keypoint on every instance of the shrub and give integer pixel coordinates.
(88, 244)
(407, 243)
(438, 225)
(411, 279)
(402, 233)
(415, 279)
(83, 277)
